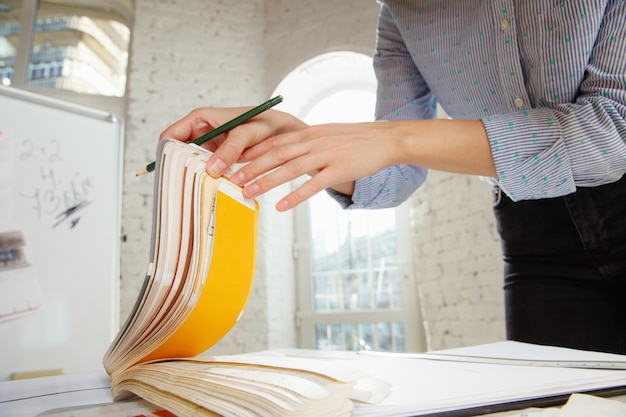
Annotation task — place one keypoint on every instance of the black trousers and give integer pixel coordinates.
(565, 268)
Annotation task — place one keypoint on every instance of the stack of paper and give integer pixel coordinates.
(488, 378)
(461, 382)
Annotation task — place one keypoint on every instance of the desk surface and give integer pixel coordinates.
(416, 386)
(88, 395)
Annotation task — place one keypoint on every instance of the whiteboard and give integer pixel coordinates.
(61, 189)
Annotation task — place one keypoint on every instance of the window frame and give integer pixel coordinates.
(306, 318)
(28, 22)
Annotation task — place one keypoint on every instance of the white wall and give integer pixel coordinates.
(457, 261)
(186, 54)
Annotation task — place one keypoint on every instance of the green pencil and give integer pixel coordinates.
(225, 127)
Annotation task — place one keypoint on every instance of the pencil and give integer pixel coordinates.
(225, 127)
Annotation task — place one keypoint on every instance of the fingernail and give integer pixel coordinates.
(282, 205)
(216, 167)
(251, 190)
(238, 178)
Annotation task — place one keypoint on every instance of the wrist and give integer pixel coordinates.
(405, 149)
(346, 188)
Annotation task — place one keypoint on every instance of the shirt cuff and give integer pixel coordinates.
(344, 200)
(385, 189)
(531, 157)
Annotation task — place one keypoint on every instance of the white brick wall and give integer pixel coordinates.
(458, 263)
(192, 53)
(185, 54)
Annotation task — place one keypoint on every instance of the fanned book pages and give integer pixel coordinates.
(199, 277)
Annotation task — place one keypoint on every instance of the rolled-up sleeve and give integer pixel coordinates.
(402, 95)
(569, 142)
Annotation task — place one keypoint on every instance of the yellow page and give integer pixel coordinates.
(229, 279)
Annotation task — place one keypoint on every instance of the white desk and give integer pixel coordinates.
(88, 395)
(413, 380)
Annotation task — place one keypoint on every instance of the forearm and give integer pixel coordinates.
(458, 146)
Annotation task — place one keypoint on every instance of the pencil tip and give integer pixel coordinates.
(143, 171)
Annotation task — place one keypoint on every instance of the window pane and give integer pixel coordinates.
(80, 50)
(327, 292)
(9, 30)
(385, 336)
(354, 258)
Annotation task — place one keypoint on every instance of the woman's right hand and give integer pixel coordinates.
(227, 148)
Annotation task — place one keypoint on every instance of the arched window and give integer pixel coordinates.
(355, 285)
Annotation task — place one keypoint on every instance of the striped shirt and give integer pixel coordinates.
(546, 78)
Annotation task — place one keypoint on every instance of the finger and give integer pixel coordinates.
(276, 142)
(237, 140)
(186, 128)
(180, 130)
(198, 122)
(289, 171)
(263, 147)
(290, 157)
(271, 180)
(308, 189)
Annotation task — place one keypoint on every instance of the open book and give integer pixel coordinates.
(199, 277)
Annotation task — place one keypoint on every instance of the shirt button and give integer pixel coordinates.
(504, 24)
(519, 102)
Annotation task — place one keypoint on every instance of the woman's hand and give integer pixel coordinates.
(334, 155)
(228, 147)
